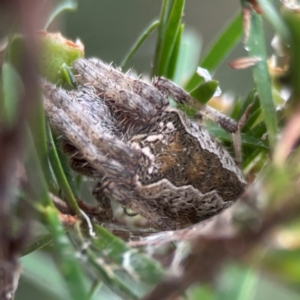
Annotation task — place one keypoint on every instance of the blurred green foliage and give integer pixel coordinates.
(72, 264)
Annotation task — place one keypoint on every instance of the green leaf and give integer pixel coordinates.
(219, 50)
(12, 88)
(60, 175)
(175, 53)
(248, 285)
(14, 50)
(35, 175)
(68, 76)
(67, 261)
(240, 109)
(73, 178)
(37, 244)
(292, 19)
(282, 262)
(56, 52)
(105, 270)
(205, 91)
(117, 250)
(117, 264)
(165, 10)
(94, 288)
(250, 157)
(168, 40)
(200, 292)
(65, 254)
(58, 8)
(255, 45)
(139, 42)
(37, 124)
(189, 52)
(106, 273)
(39, 276)
(248, 140)
(246, 280)
(272, 15)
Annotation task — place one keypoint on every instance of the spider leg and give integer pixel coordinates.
(99, 147)
(104, 202)
(134, 99)
(171, 89)
(166, 206)
(132, 198)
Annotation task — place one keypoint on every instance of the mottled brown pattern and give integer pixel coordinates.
(180, 159)
(146, 155)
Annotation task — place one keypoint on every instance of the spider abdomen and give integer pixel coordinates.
(145, 154)
(173, 153)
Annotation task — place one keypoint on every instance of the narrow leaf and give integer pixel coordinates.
(169, 38)
(65, 256)
(60, 175)
(219, 50)
(272, 15)
(205, 91)
(165, 10)
(292, 19)
(37, 244)
(189, 53)
(139, 42)
(66, 260)
(12, 87)
(59, 8)
(255, 45)
(118, 251)
(174, 57)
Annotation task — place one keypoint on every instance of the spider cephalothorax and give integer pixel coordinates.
(146, 155)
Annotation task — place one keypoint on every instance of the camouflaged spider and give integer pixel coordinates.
(145, 154)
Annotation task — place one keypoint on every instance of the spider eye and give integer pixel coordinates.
(129, 212)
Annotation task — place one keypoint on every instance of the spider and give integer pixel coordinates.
(148, 156)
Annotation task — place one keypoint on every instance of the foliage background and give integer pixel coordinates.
(108, 29)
